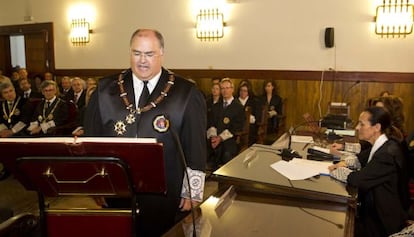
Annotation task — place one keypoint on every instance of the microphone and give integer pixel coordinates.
(345, 95)
(288, 153)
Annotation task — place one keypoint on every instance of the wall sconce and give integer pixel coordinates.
(210, 24)
(80, 32)
(394, 18)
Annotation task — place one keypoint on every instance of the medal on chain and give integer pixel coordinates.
(120, 126)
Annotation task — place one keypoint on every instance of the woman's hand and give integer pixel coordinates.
(336, 166)
(335, 148)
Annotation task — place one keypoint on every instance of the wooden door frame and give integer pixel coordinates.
(46, 27)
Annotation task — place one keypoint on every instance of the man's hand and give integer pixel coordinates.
(185, 204)
(335, 148)
(337, 165)
(100, 201)
(36, 131)
(215, 141)
(6, 133)
(272, 113)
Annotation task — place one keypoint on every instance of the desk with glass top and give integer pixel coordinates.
(256, 174)
(252, 214)
(266, 203)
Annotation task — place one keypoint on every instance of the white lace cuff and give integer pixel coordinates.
(252, 119)
(3, 127)
(272, 113)
(352, 162)
(197, 180)
(33, 125)
(211, 132)
(18, 127)
(44, 127)
(226, 134)
(406, 232)
(353, 147)
(341, 174)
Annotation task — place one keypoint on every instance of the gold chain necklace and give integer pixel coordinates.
(120, 126)
(11, 111)
(49, 116)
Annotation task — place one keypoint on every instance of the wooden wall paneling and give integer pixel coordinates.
(303, 96)
(5, 59)
(406, 92)
(301, 88)
(36, 53)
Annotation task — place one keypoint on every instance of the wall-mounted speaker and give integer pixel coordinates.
(329, 37)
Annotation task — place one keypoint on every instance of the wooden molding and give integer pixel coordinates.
(26, 28)
(87, 72)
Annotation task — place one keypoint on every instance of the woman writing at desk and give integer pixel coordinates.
(380, 174)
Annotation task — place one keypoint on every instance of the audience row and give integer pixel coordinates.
(52, 111)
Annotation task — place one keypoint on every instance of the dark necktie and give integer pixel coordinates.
(143, 99)
(10, 106)
(48, 104)
(26, 95)
(225, 104)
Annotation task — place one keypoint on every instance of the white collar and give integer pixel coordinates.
(51, 100)
(243, 101)
(139, 84)
(229, 100)
(377, 144)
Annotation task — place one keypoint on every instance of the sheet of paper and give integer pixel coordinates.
(302, 139)
(294, 171)
(320, 166)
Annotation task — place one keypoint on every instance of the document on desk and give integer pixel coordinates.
(300, 169)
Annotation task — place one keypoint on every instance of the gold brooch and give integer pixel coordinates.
(130, 118)
(226, 120)
(161, 123)
(120, 128)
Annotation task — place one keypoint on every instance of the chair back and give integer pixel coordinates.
(262, 125)
(242, 137)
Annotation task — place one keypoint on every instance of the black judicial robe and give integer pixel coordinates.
(70, 96)
(23, 112)
(231, 118)
(383, 189)
(58, 111)
(185, 108)
(275, 103)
